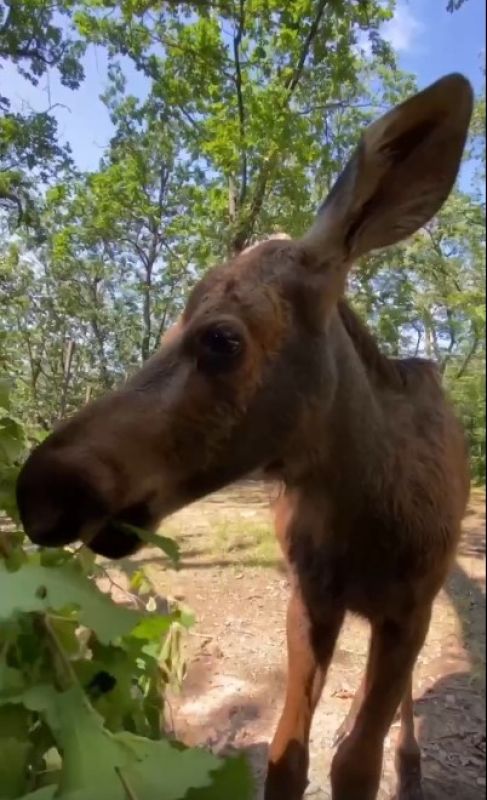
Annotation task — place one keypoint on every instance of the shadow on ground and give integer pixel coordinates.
(452, 712)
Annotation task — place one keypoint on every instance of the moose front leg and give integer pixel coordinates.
(310, 648)
(408, 755)
(356, 767)
(349, 721)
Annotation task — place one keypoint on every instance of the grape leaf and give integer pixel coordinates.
(46, 793)
(37, 588)
(183, 768)
(97, 763)
(11, 680)
(13, 767)
(14, 720)
(156, 626)
(41, 698)
(5, 389)
(232, 780)
(11, 440)
(168, 546)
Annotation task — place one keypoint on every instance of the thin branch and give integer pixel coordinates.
(246, 228)
(67, 366)
(69, 675)
(470, 354)
(341, 104)
(295, 77)
(187, 116)
(237, 40)
(441, 258)
(127, 788)
(138, 249)
(36, 53)
(138, 602)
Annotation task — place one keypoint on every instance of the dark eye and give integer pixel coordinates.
(219, 347)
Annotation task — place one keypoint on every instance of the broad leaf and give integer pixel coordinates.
(37, 588)
(14, 755)
(168, 546)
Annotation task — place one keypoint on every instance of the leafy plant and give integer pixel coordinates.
(82, 678)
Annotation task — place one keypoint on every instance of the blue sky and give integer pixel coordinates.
(429, 42)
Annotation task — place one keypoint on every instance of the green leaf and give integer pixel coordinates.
(168, 546)
(65, 630)
(46, 793)
(37, 588)
(5, 389)
(99, 764)
(14, 757)
(14, 719)
(183, 770)
(11, 440)
(11, 680)
(233, 780)
(154, 626)
(41, 698)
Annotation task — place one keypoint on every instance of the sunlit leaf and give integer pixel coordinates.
(37, 588)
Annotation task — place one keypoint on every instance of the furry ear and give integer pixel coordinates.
(399, 176)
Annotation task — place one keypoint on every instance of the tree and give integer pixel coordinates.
(34, 37)
(244, 80)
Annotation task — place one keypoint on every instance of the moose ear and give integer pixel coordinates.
(399, 176)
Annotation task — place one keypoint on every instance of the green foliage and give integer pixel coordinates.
(117, 766)
(82, 679)
(35, 36)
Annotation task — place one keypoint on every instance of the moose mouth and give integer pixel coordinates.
(116, 537)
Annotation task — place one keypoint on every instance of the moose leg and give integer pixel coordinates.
(408, 755)
(349, 721)
(347, 725)
(310, 648)
(357, 764)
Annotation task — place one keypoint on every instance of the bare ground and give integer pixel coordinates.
(234, 580)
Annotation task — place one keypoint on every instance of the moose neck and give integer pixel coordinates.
(346, 442)
(356, 427)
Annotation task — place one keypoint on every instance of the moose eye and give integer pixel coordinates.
(219, 347)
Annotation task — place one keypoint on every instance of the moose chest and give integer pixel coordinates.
(370, 568)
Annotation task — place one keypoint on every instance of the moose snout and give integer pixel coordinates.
(57, 500)
(63, 498)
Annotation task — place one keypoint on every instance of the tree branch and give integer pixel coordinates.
(341, 104)
(470, 354)
(298, 70)
(245, 229)
(237, 39)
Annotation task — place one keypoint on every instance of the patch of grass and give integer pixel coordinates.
(248, 541)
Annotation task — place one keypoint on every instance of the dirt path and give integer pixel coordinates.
(234, 580)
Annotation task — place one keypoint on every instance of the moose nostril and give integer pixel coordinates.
(49, 532)
(55, 501)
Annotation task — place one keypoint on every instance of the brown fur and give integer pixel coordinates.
(270, 369)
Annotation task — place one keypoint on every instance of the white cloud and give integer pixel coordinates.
(404, 30)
